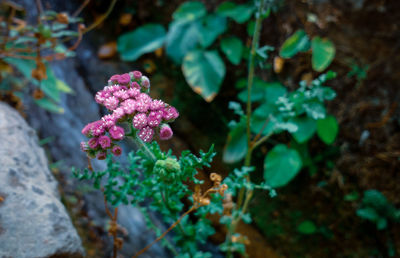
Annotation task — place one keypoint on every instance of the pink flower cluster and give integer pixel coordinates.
(127, 100)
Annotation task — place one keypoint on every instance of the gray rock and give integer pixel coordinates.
(33, 221)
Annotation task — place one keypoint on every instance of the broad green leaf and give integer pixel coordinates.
(307, 227)
(182, 37)
(298, 42)
(143, 40)
(239, 13)
(49, 105)
(327, 129)
(236, 144)
(204, 71)
(210, 27)
(323, 52)
(306, 128)
(368, 213)
(190, 11)
(264, 91)
(281, 165)
(232, 47)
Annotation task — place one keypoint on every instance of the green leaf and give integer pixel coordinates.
(143, 40)
(239, 13)
(306, 128)
(264, 91)
(368, 213)
(232, 47)
(204, 71)
(327, 129)
(182, 37)
(307, 227)
(323, 52)
(190, 11)
(281, 165)
(62, 86)
(211, 27)
(298, 42)
(49, 105)
(236, 144)
(315, 110)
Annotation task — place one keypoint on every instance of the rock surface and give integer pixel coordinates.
(33, 221)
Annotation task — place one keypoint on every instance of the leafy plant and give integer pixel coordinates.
(377, 209)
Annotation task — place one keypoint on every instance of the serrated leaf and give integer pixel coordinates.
(298, 42)
(236, 144)
(323, 52)
(281, 165)
(143, 40)
(204, 71)
(239, 13)
(306, 128)
(189, 11)
(327, 129)
(232, 47)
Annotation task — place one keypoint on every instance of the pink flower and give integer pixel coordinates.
(101, 155)
(154, 118)
(108, 121)
(129, 106)
(141, 106)
(145, 82)
(170, 113)
(114, 78)
(116, 132)
(87, 129)
(93, 143)
(116, 150)
(105, 141)
(133, 92)
(157, 104)
(119, 113)
(165, 132)
(100, 97)
(111, 103)
(84, 146)
(146, 134)
(137, 75)
(139, 121)
(135, 85)
(124, 78)
(144, 97)
(98, 128)
(121, 95)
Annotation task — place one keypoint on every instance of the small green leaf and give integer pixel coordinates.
(281, 165)
(190, 11)
(327, 129)
(323, 52)
(204, 71)
(236, 144)
(49, 105)
(239, 13)
(62, 86)
(232, 47)
(298, 42)
(307, 227)
(143, 40)
(306, 128)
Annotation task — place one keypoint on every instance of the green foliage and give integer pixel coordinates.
(160, 180)
(232, 47)
(323, 50)
(307, 227)
(239, 13)
(281, 165)
(204, 72)
(143, 40)
(377, 209)
(323, 53)
(236, 145)
(298, 42)
(327, 129)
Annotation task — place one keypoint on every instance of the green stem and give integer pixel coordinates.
(246, 195)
